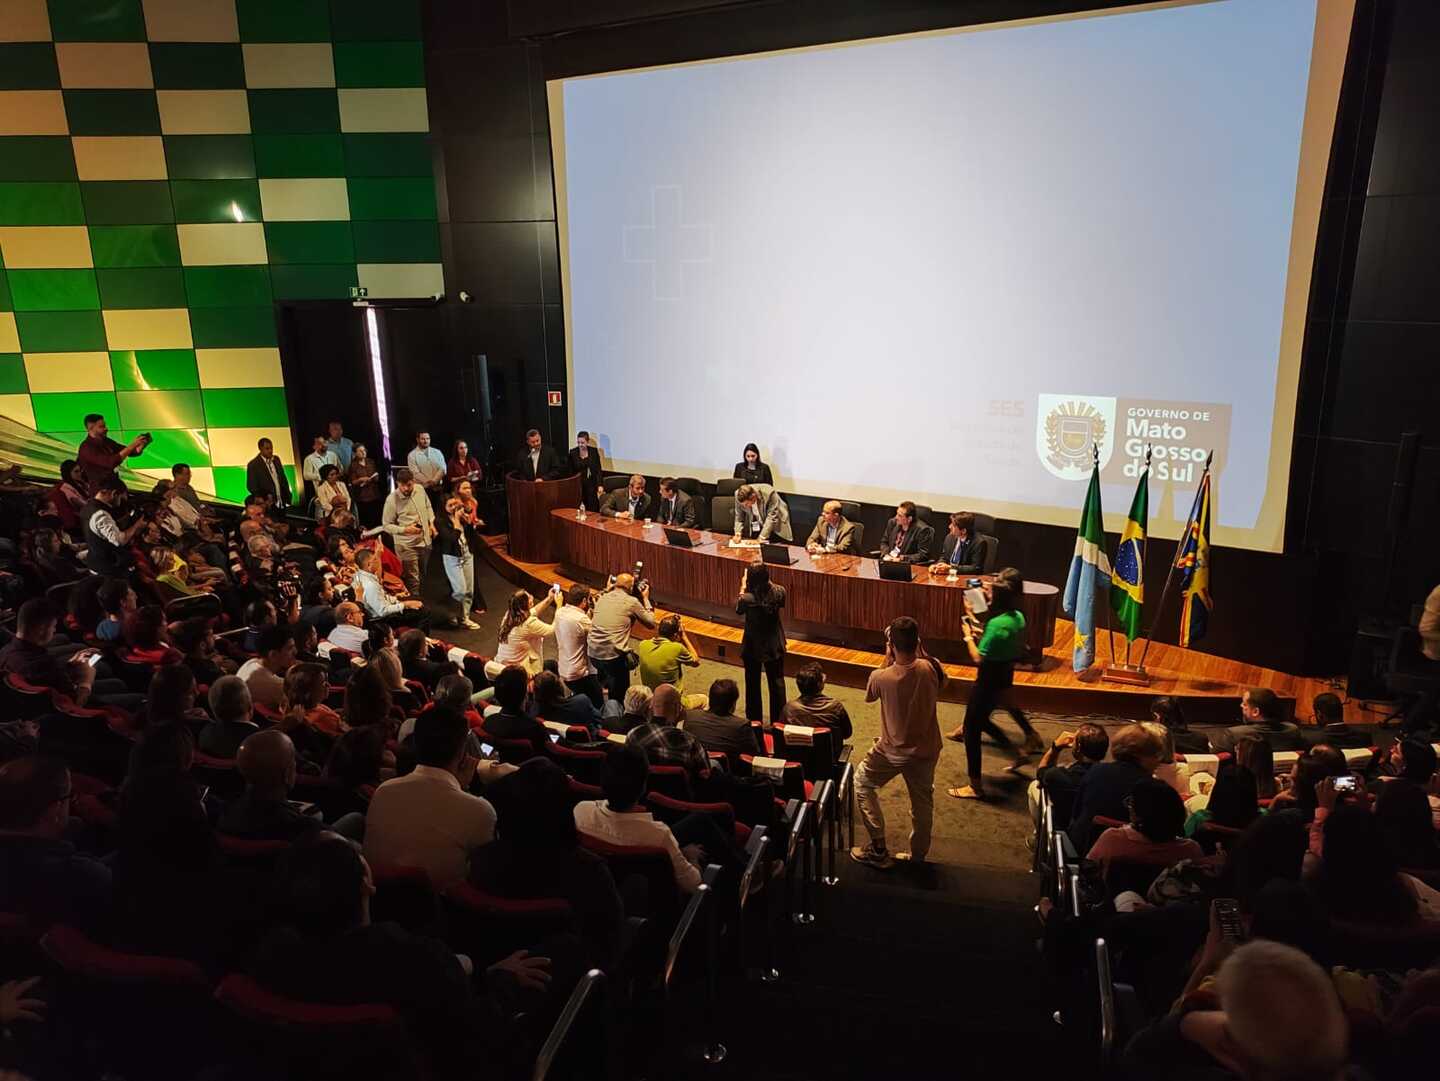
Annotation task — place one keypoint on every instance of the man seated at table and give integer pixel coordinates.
(676, 507)
(630, 503)
(833, 532)
(760, 514)
(907, 539)
(962, 547)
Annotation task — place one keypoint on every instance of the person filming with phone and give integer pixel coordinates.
(77, 676)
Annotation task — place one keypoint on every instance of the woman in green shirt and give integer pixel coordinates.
(1000, 646)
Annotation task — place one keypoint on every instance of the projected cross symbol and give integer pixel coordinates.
(667, 243)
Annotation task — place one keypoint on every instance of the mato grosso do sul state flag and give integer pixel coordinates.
(1127, 582)
(1193, 562)
(1089, 575)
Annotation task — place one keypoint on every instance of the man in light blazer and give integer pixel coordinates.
(631, 502)
(674, 506)
(833, 532)
(761, 514)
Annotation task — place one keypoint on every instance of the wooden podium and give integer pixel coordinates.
(530, 503)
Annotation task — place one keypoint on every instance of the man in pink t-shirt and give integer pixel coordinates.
(907, 686)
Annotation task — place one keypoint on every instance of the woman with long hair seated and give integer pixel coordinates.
(1233, 802)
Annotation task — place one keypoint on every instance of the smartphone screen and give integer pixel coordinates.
(486, 750)
(554, 737)
(93, 660)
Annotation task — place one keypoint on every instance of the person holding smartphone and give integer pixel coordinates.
(79, 677)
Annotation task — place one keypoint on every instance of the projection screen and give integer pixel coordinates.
(950, 266)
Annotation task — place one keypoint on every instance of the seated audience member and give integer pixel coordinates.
(1234, 802)
(170, 698)
(717, 728)
(537, 854)
(370, 592)
(311, 724)
(117, 600)
(263, 813)
(331, 952)
(258, 615)
(356, 766)
(816, 708)
(67, 498)
(674, 507)
(962, 549)
(456, 692)
(27, 655)
(413, 649)
(1152, 835)
(635, 710)
(1088, 746)
(318, 607)
(1310, 769)
(1257, 756)
(42, 876)
(907, 537)
(1278, 1016)
(760, 514)
(1330, 726)
(621, 818)
(1134, 754)
(1260, 709)
(195, 640)
(331, 493)
(340, 554)
(665, 744)
(368, 701)
(264, 674)
(53, 560)
(1407, 822)
(1357, 879)
(232, 710)
(554, 702)
(523, 632)
(629, 503)
(427, 818)
(147, 637)
(512, 722)
(1168, 712)
(1410, 759)
(387, 663)
(833, 532)
(307, 644)
(665, 655)
(1175, 774)
(349, 631)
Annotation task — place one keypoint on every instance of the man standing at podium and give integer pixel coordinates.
(536, 461)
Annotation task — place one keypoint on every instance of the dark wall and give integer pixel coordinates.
(1369, 366)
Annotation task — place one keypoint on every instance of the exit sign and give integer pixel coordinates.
(358, 291)
(554, 398)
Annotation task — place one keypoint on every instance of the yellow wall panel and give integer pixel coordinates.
(148, 328)
(18, 407)
(104, 65)
(389, 109)
(32, 112)
(203, 112)
(24, 20)
(221, 368)
(31, 247)
(236, 446)
(191, 20)
(284, 66)
(9, 335)
(402, 279)
(58, 373)
(119, 157)
(223, 244)
(309, 199)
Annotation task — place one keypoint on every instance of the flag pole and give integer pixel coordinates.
(1144, 548)
(1109, 627)
(1170, 575)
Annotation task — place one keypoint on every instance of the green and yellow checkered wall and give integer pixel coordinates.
(171, 168)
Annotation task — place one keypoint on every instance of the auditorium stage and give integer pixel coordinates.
(1209, 686)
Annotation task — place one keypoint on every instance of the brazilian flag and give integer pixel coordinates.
(1127, 581)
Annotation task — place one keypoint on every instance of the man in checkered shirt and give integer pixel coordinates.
(663, 743)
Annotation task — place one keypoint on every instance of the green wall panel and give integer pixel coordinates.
(154, 369)
(141, 287)
(66, 412)
(250, 407)
(48, 203)
(232, 328)
(60, 332)
(134, 245)
(149, 409)
(12, 374)
(53, 290)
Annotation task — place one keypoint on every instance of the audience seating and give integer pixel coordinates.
(87, 742)
(219, 774)
(487, 927)
(788, 777)
(405, 895)
(817, 756)
(583, 765)
(672, 781)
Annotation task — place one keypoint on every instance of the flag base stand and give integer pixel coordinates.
(1133, 674)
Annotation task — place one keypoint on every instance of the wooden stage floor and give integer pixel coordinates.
(1209, 686)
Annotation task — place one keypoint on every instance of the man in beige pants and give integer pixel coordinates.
(907, 686)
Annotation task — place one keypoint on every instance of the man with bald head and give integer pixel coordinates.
(267, 762)
(665, 744)
(616, 612)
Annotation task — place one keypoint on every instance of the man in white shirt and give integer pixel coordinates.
(320, 455)
(427, 819)
(572, 632)
(622, 819)
(410, 519)
(349, 631)
(264, 674)
(370, 591)
(427, 465)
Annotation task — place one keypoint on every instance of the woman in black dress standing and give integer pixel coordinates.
(752, 470)
(763, 643)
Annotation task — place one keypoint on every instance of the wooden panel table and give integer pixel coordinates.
(838, 598)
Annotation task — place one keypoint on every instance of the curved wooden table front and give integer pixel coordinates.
(838, 598)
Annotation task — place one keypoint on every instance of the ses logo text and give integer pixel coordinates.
(1070, 428)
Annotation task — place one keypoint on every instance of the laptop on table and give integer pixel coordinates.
(777, 553)
(681, 538)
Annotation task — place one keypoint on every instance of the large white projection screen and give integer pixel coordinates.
(945, 266)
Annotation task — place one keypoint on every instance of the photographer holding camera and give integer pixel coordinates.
(608, 644)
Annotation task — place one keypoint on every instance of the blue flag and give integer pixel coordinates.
(1089, 581)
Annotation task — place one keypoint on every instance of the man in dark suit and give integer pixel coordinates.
(833, 532)
(962, 548)
(631, 502)
(264, 475)
(717, 728)
(1261, 710)
(537, 461)
(906, 539)
(586, 461)
(1330, 726)
(675, 507)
